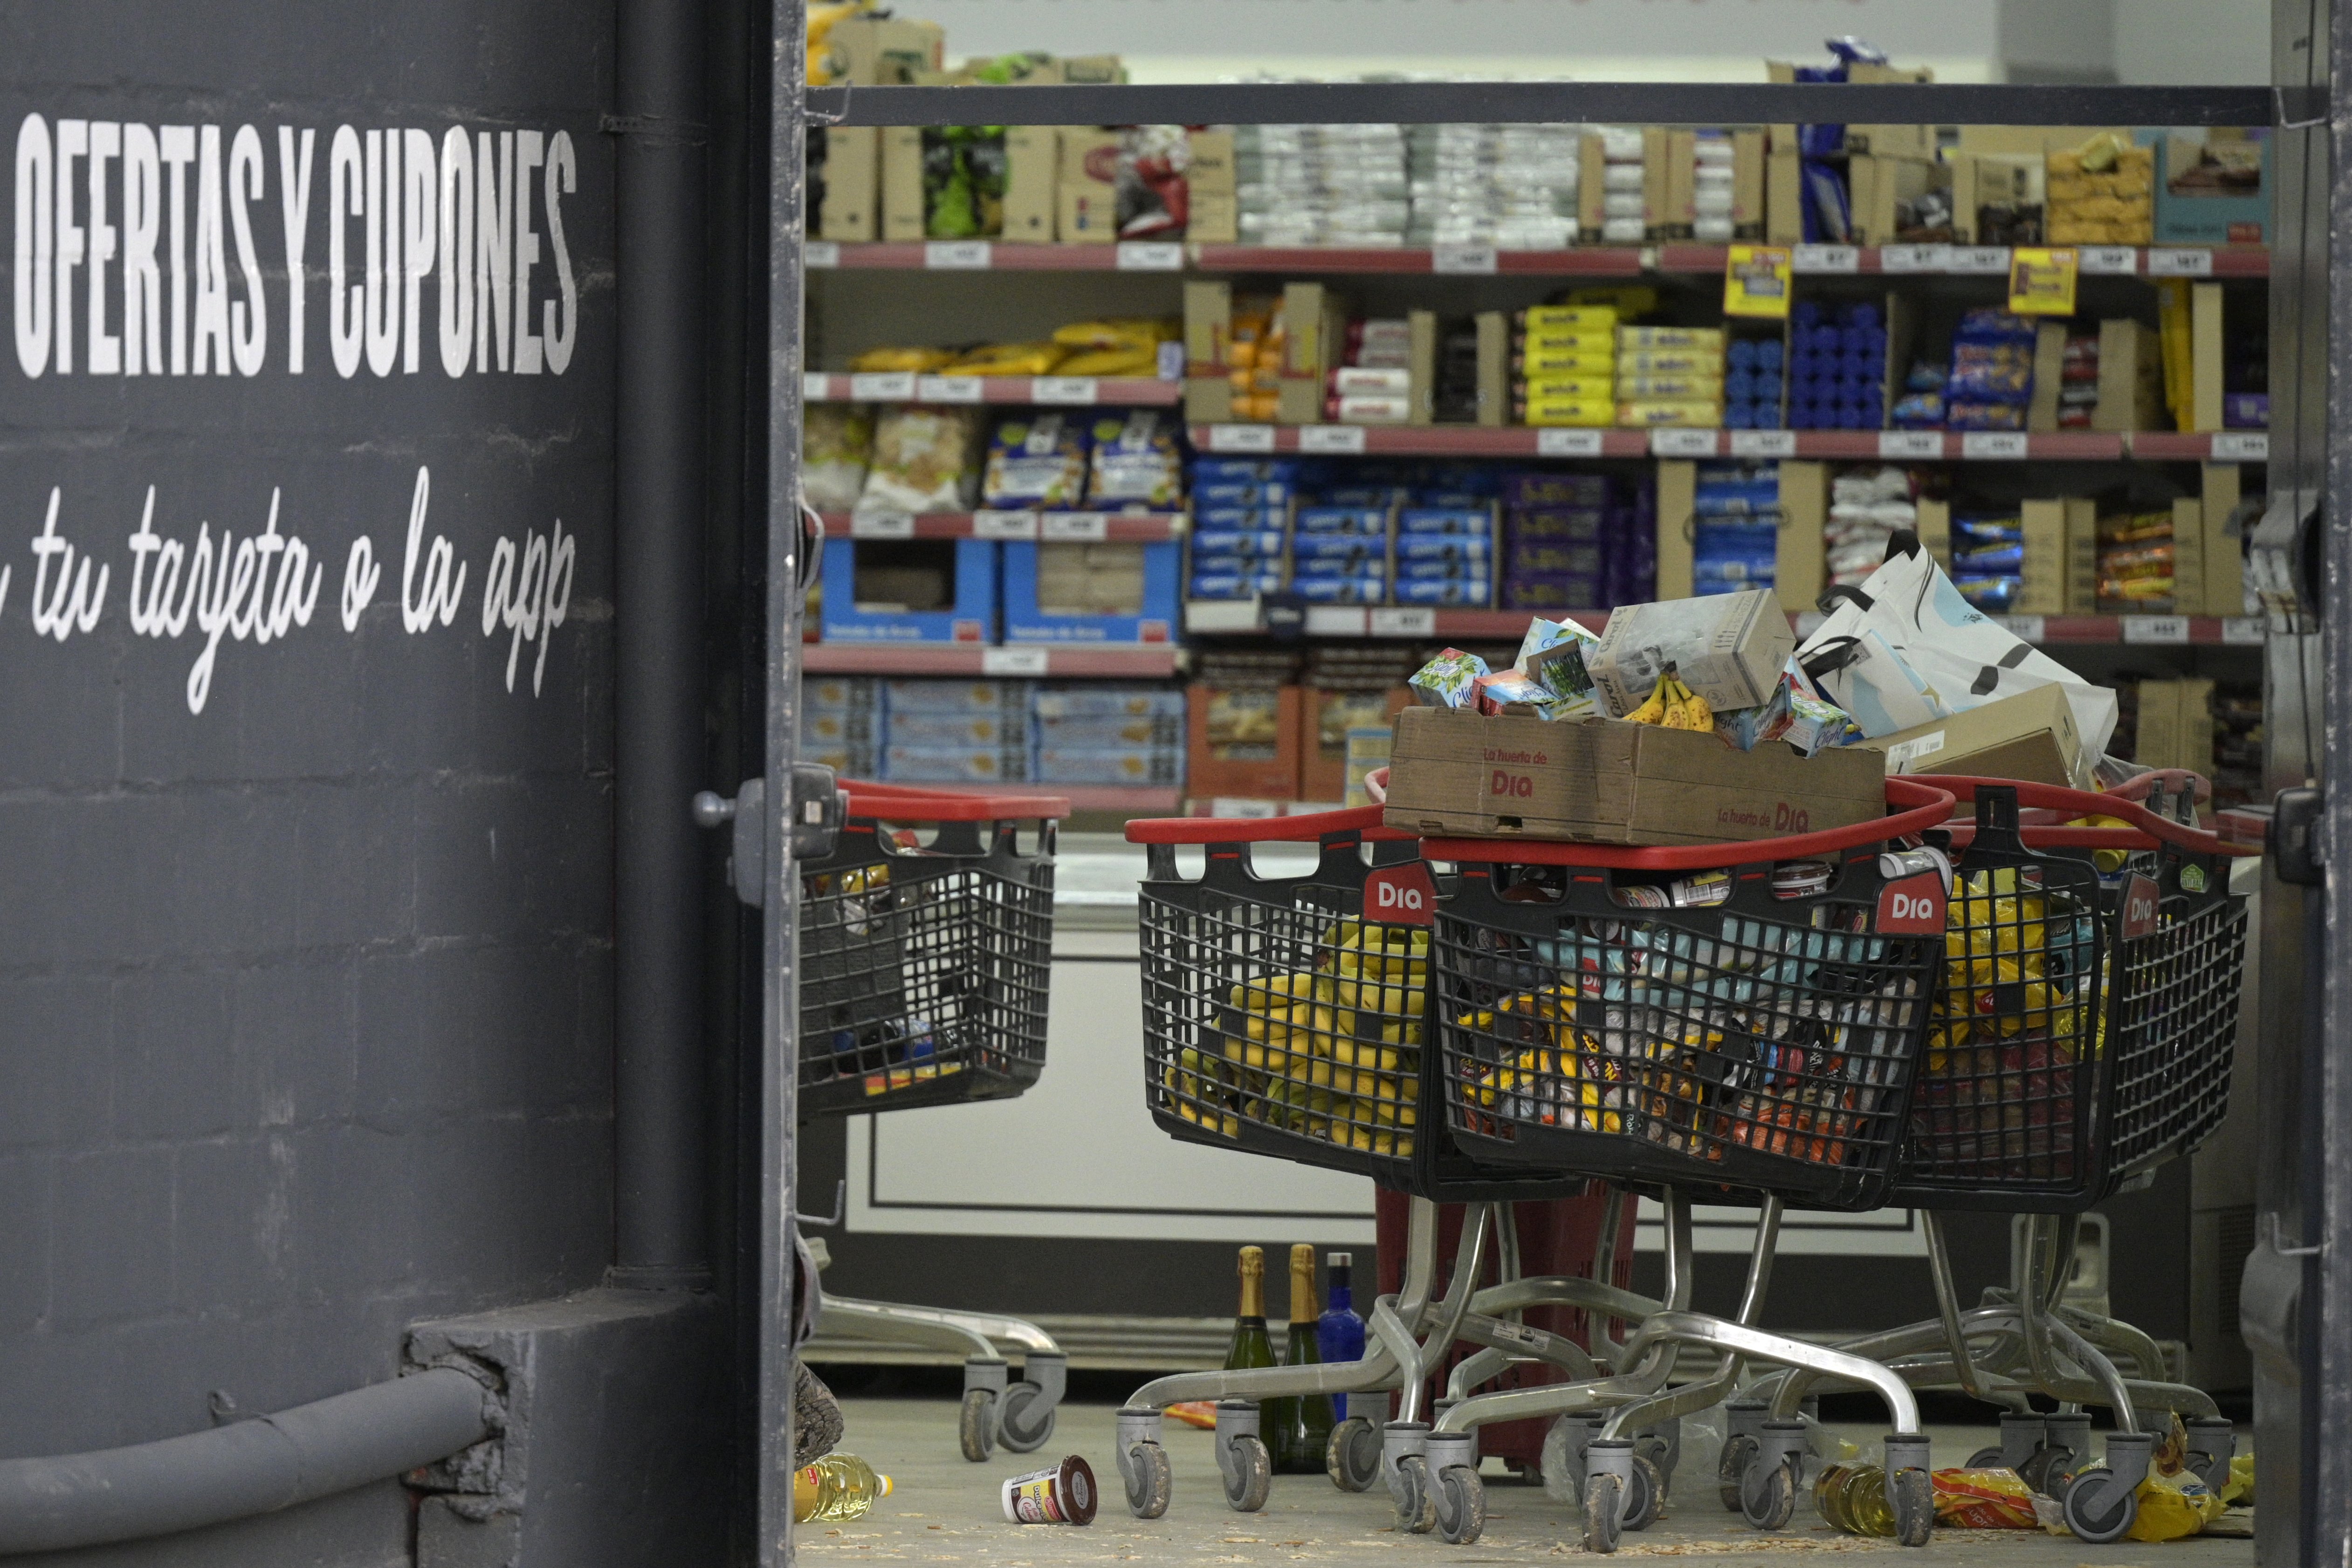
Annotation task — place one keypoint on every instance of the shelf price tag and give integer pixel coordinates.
(1977, 260)
(1075, 526)
(815, 386)
(1914, 257)
(1150, 256)
(1465, 258)
(1013, 660)
(949, 389)
(882, 386)
(1897, 445)
(2180, 261)
(1684, 443)
(1756, 281)
(1343, 440)
(959, 255)
(1830, 258)
(1405, 621)
(2109, 261)
(1016, 525)
(1240, 438)
(1978, 446)
(1335, 620)
(820, 255)
(2024, 629)
(1763, 443)
(1064, 389)
(2041, 280)
(2240, 631)
(881, 525)
(2161, 630)
(1568, 443)
(2241, 447)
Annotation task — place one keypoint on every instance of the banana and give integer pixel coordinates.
(1654, 710)
(1702, 712)
(1677, 714)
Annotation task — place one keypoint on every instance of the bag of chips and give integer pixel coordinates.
(1036, 463)
(837, 445)
(1136, 461)
(922, 460)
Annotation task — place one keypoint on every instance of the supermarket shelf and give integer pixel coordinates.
(1077, 527)
(1150, 662)
(1834, 446)
(1073, 390)
(1579, 261)
(1126, 799)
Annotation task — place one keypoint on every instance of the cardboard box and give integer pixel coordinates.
(850, 213)
(1329, 726)
(1729, 647)
(1208, 325)
(902, 182)
(2131, 378)
(1242, 742)
(1935, 528)
(1315, 336)
(1910, 140)
(1748, 196)
(2031, 736)
(1423, 369)
(970, 617)
(1092, 70)
(2205, 340)
(2225, 544)
(1983, 179)
(1881, 187)
(1800, 569)
(1208, 400)
(1494, 365)
(2213, 187)
(1215, 218)
(1032, 169)
(1026, 620)
(1086, 203)
(1784, 198)
(2049, 377)
(1212, 169)
(1591, 188)
(2061, 558)
(1677, 510)
(1453, 771)
(2189, 558)
(1779, 139)
(2176, 725)
(869, 51)
(1669, 157)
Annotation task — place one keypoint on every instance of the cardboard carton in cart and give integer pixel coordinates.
(1730, 648)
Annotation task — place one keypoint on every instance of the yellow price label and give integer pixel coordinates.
(2042, 281)
(1756, 280)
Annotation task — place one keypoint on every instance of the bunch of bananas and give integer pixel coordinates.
(1673, 706)
(1332, 1052)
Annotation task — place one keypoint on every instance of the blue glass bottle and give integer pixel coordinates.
(1338, 1333)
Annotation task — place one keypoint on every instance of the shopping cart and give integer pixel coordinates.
(925, 955)
(1749, 1033)
(2083, 1037)
(1285, 1015)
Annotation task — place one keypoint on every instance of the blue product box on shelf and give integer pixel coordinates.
(1341, 590)
(1240, 519)
(973, 620)
(1244, 468)
(1146, 766)
(1363, 520)
(1106, 702)
(1445, 520)
(1441, 547)
(1369, 563)
(1475, 593)
(1224, 541)
(1334, 547)
(1439, 571)
(1154, 620)
(1240, 492)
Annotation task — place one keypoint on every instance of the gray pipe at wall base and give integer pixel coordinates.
(247, 1467)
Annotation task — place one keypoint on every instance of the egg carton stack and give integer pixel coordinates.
(1321, 184)
(1624, 211)
(1867, 508)
(1511, 186)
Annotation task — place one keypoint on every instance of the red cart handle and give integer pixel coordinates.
(1304, 829)
(2146, 826)
(906, 803)
(1927, 806)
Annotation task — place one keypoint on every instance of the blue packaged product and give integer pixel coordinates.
(1238, 519)
(1464, 591)
(1244, 468)
(1204, 566)
(1440, 547)
(1739, 416)
(1235, 585)
(1768, 353)
(1766, 386)
(1741, 356)
(1861, 315)
(1342, 520)
(1981, 530)
(1438, 571)
(1350, 566)
(1992, 558)
(1240, 492)
(1992, 594)
(1437, 519)
(1805, 313)
(1333, 547)
(1544, 489)
(1106, 701)
(1740, 385)
(1736, 500)
(1253, 541)
(1579, 523)
(1341, 590)
(1382, 496)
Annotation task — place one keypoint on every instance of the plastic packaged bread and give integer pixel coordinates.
(1136, 461)
(836, 446)
(923, 461)
(1038, 461)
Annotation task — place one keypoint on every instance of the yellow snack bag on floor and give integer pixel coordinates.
(2171, 1507)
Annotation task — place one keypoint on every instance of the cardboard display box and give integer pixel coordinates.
(2031, 736)
(1730, 648)
(1328, 726)
(2061, 558)
(1678, 507)
(2176, 725)
(1800, 559)
(1605, 782)
(875, 51)
(1032, 165)
(2189, 559)
(1784, 198)
(2225, 543)
(1155, 609)
(1087, 207)
(1882, 185)
(902, 183)
(966, 607)
(2213, 187)
(1242, 741)
(850, 213)
(1936, 529)
(2131, 378)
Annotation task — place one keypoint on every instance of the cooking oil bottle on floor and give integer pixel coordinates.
(839, 1486)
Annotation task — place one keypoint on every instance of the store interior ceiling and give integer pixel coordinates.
(2219, 42)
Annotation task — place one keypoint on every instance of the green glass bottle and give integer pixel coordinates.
(1250, 1345)
(1298, 1429)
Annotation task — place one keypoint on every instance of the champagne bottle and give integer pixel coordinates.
(839, 1486)
(1339, 1333)
(1250, 1346)
(1298, 1428)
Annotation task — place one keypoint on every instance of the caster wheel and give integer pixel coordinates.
(1738, 1454)
(1252, 1475)
(1985, 1459)
(1352, 1458)
(1148, 1480)
(976, 1425)
(1460, 1499)
(2045, 1471)
(1915, 1507)
(1602, 1503)
(1416, 1496)
(1027, 1425)
(2098, 1508)
(1768, 1495)
(1648, 1497)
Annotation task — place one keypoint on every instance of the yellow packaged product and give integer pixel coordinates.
(1575, 412)
(1670, 388)
(1653, 415)
(1111, 361)
(885, 361)
(1570, 389)
(1601, 342)
(1553, 361)
(1641, 340)
(1671, 362)
(1009, 359)
(1131, 332)
(1568, 319)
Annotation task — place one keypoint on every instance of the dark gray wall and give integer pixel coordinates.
(305, 998)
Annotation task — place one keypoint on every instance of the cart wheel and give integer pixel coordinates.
(1603, 1504)
(1738, 1453)
(1251, 1475)
(2099, 1509)
(1647, 1499)
(1768, 1496)
(1025, 1425)
(1148, 1479)
(1461, 1499)
(1352, 1458)
(1986, 1459)
(2045, 1471)
(1416, 1496)
(1915, 1507)
(976, 1425)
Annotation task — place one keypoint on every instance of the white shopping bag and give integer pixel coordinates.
(1905, 648)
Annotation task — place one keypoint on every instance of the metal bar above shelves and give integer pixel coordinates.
(1548, 102)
